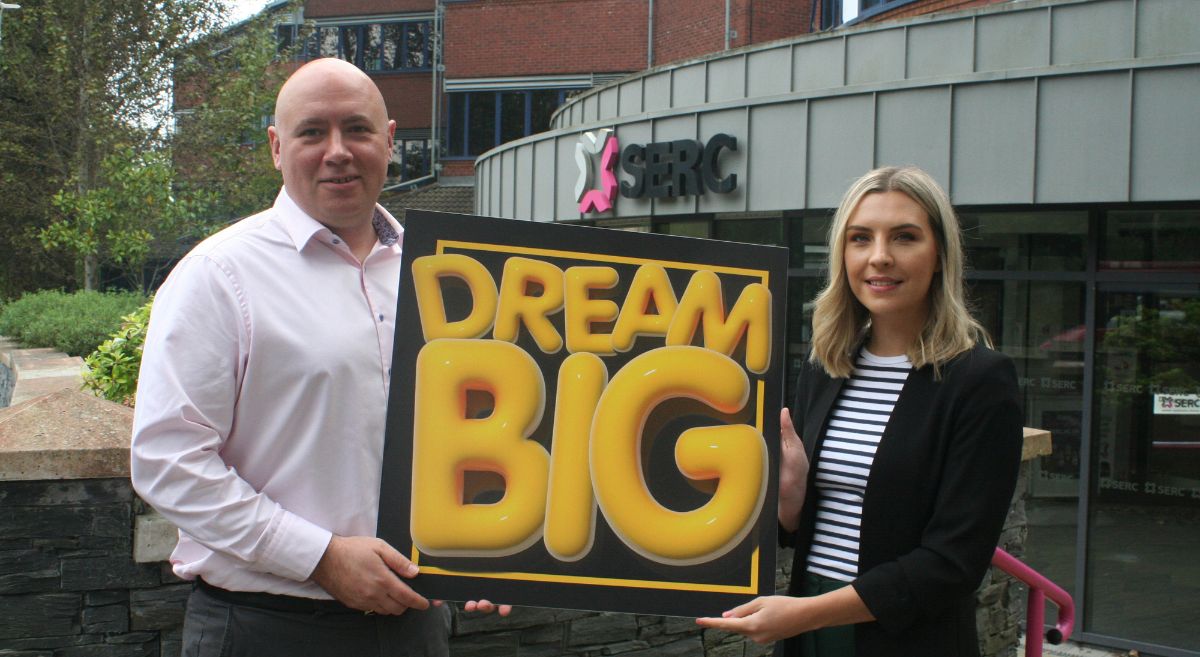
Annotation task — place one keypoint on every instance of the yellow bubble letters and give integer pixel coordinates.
(594, 459)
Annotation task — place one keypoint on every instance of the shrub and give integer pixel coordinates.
(72, 323)
(113, 367)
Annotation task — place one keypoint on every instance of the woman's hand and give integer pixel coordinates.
(762, 620)
(793, 473)
(776, 617)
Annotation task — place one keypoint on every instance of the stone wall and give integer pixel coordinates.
(68, 583)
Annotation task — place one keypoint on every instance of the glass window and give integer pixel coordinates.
(392, 46)
(684, 228)
(372, 47)
(327, 40)
(1025, 241)
(1149, 240)
(512, 115)
(410, 159)
(390, 50)
(481, 135)
(350, 45)
(416, 46)
(521, 113)
(285, 37)
(416, 159)
(801, 294)
(808, 241)
(753, 231)
(543, 102)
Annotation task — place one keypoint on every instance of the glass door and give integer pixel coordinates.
(1143, 548)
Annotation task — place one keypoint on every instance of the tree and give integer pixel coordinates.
(80, 81)
(117, 222)
(224, 100)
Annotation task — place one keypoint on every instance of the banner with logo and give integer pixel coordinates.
(585, 418)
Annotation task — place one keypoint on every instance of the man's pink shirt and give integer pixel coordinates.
(260, 413)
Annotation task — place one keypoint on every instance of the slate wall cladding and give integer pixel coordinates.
(68, 584)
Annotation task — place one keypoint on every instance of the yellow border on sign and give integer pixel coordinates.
(608, 581)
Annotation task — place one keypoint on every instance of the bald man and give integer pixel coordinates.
(261, 401)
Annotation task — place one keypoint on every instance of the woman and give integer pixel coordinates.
(913, 428)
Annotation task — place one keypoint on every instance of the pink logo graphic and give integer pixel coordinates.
(590, 199)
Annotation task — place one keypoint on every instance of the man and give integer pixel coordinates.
(260, 417)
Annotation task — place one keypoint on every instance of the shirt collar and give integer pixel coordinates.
(302, 228)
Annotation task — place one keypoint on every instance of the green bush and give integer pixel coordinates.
(113, 367)
(72, 323)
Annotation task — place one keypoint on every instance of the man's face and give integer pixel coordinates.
(332, 142)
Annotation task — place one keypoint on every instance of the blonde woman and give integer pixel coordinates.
(913, 429)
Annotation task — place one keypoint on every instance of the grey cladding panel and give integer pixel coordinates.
(508, 183)
(1083, 139)
(940, 49)
(992, 143)
(608, 103)
(631, 97)
(656, 94)
(875, 56)
(726, 79)
(483, 173)
(495, 185)
(591, 108)
(913, 127)
(1019, 39)
(768, 72)
(675, 127)
(731, 122)
(1167, 27)
(776, 152)
(687, 87)
(1092, 32)
(840, 146)
(818, 64)
(632, 133)
(545, 177)
(525, 186)
(566, 207)
(1166, 135)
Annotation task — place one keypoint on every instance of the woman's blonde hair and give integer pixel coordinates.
(840, 323)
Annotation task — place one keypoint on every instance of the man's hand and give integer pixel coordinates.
(364, 573)
(793, 473)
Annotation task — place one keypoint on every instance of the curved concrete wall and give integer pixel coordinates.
(1030, 103)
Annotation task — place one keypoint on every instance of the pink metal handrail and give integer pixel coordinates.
(1039, 589)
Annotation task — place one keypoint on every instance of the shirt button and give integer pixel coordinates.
(381, 317)
(336, 241)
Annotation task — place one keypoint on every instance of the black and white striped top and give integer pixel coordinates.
(844, 461)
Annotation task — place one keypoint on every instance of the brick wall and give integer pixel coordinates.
(687, 28)
(407, 96)
(536, 37)
(777, 19)
(929, 7)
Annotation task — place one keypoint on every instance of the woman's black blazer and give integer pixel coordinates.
(936, 499)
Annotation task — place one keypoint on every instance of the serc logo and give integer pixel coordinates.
(590, 198)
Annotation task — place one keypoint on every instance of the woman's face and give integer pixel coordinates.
(891, 257)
